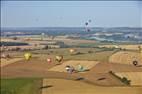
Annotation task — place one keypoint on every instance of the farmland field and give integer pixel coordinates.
(21, 86)
(38, 76)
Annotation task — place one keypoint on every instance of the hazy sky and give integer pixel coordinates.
(71, 13)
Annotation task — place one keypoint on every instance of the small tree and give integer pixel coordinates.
(126, 81)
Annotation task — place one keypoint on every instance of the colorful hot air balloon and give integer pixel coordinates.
(80, 68)
(70, 69)
(49, 60)
(27, 56)
(59, 58)
(135, 63)
(72, 51)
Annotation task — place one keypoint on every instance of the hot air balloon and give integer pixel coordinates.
(135, 63)
(27, 56)
(49, 60)
(86, 26)
(72, 51)
(80, 68)
(89, 21)
(70, 69)
(59, 58)
(86, 23)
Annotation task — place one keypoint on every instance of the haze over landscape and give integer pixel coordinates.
(71, 47)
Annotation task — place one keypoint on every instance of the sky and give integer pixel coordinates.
(71, 13)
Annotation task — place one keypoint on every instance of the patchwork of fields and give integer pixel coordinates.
(38, 76)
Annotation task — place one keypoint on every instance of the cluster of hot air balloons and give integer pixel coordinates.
(87, 26)
(58, 58)
(71, 69)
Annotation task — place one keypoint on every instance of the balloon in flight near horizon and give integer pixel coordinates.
(89, 21)
(86, 23)
(86, 26)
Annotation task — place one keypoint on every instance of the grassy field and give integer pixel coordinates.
(21, 86)
(97, 54)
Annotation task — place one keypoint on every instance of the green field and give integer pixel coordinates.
(21, 86)
(97, 54)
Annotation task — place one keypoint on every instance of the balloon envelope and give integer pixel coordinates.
(59, 58)
(86, 23)
(89, 20)
(72, 50)
(49, 60)
(135, 63)
(27, 56)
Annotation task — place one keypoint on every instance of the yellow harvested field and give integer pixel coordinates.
(5, 62)
(64, 86)
(124, 57)
(9, 40)
(129, 47)
(135, 77)
(74, 63)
